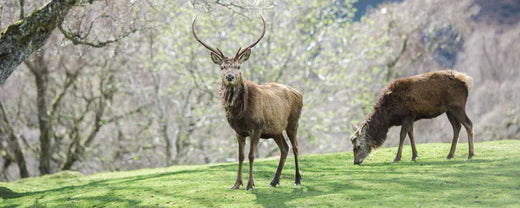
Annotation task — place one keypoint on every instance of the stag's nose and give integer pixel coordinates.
(230, 77)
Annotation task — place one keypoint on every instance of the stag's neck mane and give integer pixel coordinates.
(378, 124)
(234, 99)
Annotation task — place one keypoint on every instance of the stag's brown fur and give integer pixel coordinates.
(410, 99)
(263, 111)
(256, 111)
(270, 108)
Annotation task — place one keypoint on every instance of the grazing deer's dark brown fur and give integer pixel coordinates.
(258, 111)
(410, 99)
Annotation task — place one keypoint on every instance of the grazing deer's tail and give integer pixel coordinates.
(465, 78)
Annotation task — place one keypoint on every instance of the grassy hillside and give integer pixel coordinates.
(491, 179)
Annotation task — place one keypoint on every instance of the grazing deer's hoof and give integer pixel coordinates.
(274, 183)
(470, 156)
(414, 158)
(449, 156)
(396, 160)
(297, 181)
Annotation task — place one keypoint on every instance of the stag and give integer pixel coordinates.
(256, 111)
(410, 99)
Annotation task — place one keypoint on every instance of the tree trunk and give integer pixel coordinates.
(164, 132)
(45, 123)
(24, 37)
(13, 143)
(41, 77)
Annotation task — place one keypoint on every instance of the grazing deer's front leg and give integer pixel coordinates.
(254, 142)
(405, 127)
(412, 143)
(241, 142)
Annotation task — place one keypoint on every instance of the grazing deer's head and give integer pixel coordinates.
(229, 66)
(359, 143)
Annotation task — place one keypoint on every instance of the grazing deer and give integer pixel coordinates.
(410, 99)
(257, 111)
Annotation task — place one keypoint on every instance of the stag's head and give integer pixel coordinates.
(359, 143)
(229, 66)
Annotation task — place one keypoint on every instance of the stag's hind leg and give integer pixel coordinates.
(468, 125)
(456, 130)
(291, 130)
(284, 148)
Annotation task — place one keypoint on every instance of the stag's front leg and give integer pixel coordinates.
(254, 142)
(241, 142)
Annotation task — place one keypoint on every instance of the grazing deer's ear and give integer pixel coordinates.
(216, 58)
(244, 56)
(354, 127)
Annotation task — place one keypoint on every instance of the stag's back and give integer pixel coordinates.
(274, 105)
(427, 95)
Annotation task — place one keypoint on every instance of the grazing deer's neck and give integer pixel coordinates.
(234, 99)
(378, 125)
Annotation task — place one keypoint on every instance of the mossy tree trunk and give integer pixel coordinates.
(12, 142)
(24, 37)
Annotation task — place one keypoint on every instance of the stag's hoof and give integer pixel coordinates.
(237, 185)
(470, 156)
(396, 160)
(449, 156)
(250, 186)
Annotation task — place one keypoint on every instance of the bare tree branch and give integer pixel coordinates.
(22, 38)
(78, 39)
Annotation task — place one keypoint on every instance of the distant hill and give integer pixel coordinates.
(499, 12)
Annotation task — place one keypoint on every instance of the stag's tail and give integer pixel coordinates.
(465, 78)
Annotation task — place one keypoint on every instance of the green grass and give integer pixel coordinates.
(491, 179)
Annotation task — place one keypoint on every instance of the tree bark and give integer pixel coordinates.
(41, 76)
(13, 143)
(24, 37)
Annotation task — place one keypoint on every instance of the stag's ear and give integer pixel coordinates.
(354, 127)
(216, 58)
(244, 56)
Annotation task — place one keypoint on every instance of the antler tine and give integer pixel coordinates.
(205, 45)
(261, 36)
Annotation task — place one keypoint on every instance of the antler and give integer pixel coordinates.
(217, 51)
(253, 44)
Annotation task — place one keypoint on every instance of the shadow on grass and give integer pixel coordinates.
(109, 197)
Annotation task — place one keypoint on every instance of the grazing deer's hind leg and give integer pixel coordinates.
(241, 142)
(468, 125)
(254, 142)
(405, 127)
(284, 148)
(412, 143)
(456, 130)
(291, 133)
